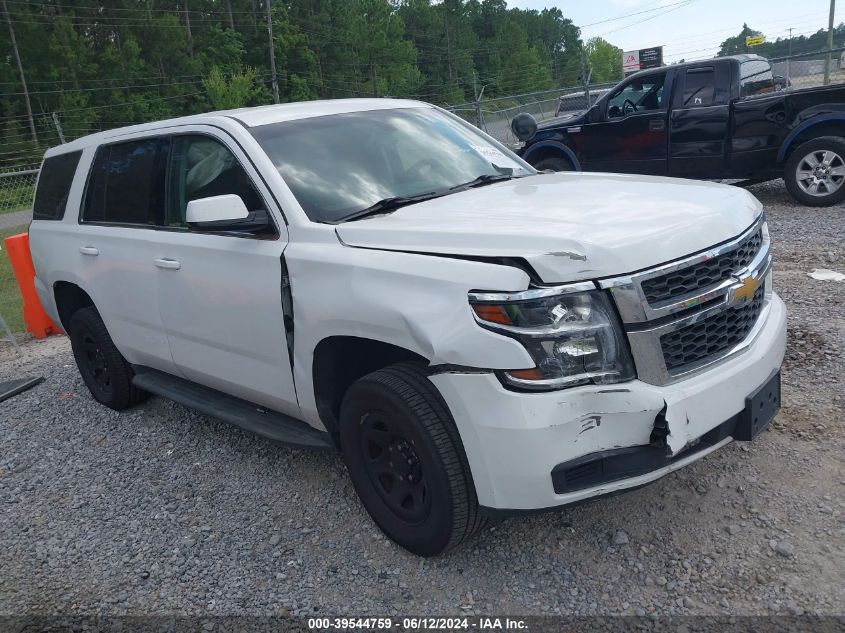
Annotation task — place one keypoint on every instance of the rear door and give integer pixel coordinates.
(698, 123)
(220, 294)
(631, 134)
(121, 211)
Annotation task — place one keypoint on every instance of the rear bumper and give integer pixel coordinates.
(514, 441)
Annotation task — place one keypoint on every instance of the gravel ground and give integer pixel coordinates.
(161, 510)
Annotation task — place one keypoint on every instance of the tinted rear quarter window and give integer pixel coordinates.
(126, 185)
(755, 78)
(54, 186)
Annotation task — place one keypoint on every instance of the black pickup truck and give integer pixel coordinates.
(716, 119)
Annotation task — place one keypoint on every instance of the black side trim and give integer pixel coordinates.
(251, 417)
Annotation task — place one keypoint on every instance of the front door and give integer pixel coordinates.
(631, 134)
(220, 294)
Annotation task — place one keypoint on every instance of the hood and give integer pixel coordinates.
(568, 226)
(565, 118)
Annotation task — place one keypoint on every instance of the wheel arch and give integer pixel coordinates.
(551, 149)
(822, 125)
(341, 360)
(69, 298)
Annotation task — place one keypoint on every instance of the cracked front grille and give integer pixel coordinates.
(711, 336)
(699, 276)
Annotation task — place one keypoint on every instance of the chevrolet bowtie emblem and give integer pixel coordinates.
(744, 293)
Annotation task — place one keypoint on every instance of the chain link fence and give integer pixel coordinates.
(494, 115)
(17, 181)
(17, 187)
(808, 69)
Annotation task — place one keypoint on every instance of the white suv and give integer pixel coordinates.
(381, 278)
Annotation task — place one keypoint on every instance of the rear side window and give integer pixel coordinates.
(54, 186)
(126, 185)
(700, 88)
(755, 78)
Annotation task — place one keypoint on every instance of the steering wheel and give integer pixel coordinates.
(421, 167)
(628, 107)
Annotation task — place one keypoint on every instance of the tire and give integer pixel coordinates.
(819, 185)
(554, 163)
(105, 372)
(398, 411)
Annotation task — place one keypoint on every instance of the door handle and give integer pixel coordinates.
(89, 250)
(656, 126)
(170, 264)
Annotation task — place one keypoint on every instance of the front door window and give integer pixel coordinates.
(639, 95)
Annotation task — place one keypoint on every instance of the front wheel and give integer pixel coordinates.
(554, 163)
(815, 172)
(406, 460)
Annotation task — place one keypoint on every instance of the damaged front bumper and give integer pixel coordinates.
(522, 447)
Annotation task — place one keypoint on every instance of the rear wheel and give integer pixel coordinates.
(406, 460)
(105, 372)
(815, 172)
(554, 163)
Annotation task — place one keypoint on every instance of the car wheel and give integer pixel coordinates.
(105, 372)
(815, 172)
(406, 460)
(554, 164)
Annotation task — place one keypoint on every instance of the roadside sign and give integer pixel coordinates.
(643, 59)
(754, 40)
(630, 61)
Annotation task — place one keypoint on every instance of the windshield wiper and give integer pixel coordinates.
(388, 204)
(483, 179)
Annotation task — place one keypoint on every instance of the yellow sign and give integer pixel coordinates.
(754, 40)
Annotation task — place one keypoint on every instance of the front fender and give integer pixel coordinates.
(417, 302)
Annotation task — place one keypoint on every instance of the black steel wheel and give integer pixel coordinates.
(105, 372)
(406, 460)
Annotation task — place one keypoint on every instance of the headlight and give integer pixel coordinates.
(571, 332)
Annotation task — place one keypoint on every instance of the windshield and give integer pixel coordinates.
(341, 164)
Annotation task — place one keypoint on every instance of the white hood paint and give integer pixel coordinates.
(568, 226)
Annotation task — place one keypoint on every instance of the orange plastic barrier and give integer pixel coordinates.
(37, 321)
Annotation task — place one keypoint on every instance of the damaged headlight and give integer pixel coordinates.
(571, 332)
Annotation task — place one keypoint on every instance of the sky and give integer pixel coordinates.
(688, 29)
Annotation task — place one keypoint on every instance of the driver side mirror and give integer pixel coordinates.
(225, 213)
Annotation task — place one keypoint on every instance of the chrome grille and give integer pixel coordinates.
(711, 336)
(685, 281)
(693, 312)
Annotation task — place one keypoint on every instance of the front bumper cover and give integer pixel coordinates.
(513, 441)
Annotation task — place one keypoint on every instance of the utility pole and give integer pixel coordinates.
(20, 71)
(789, 58)
(479, 119)
(274, 79)
(586, 75)
(829, 43)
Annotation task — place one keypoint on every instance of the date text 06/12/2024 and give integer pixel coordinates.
(417, 623)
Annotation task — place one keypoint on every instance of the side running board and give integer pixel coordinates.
(251, 417)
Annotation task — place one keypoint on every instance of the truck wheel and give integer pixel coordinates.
(815, 172)
(104, 371)
(554, 163)
(406, 460)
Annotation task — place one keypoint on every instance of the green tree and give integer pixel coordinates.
(235, 91)
(604, 59)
